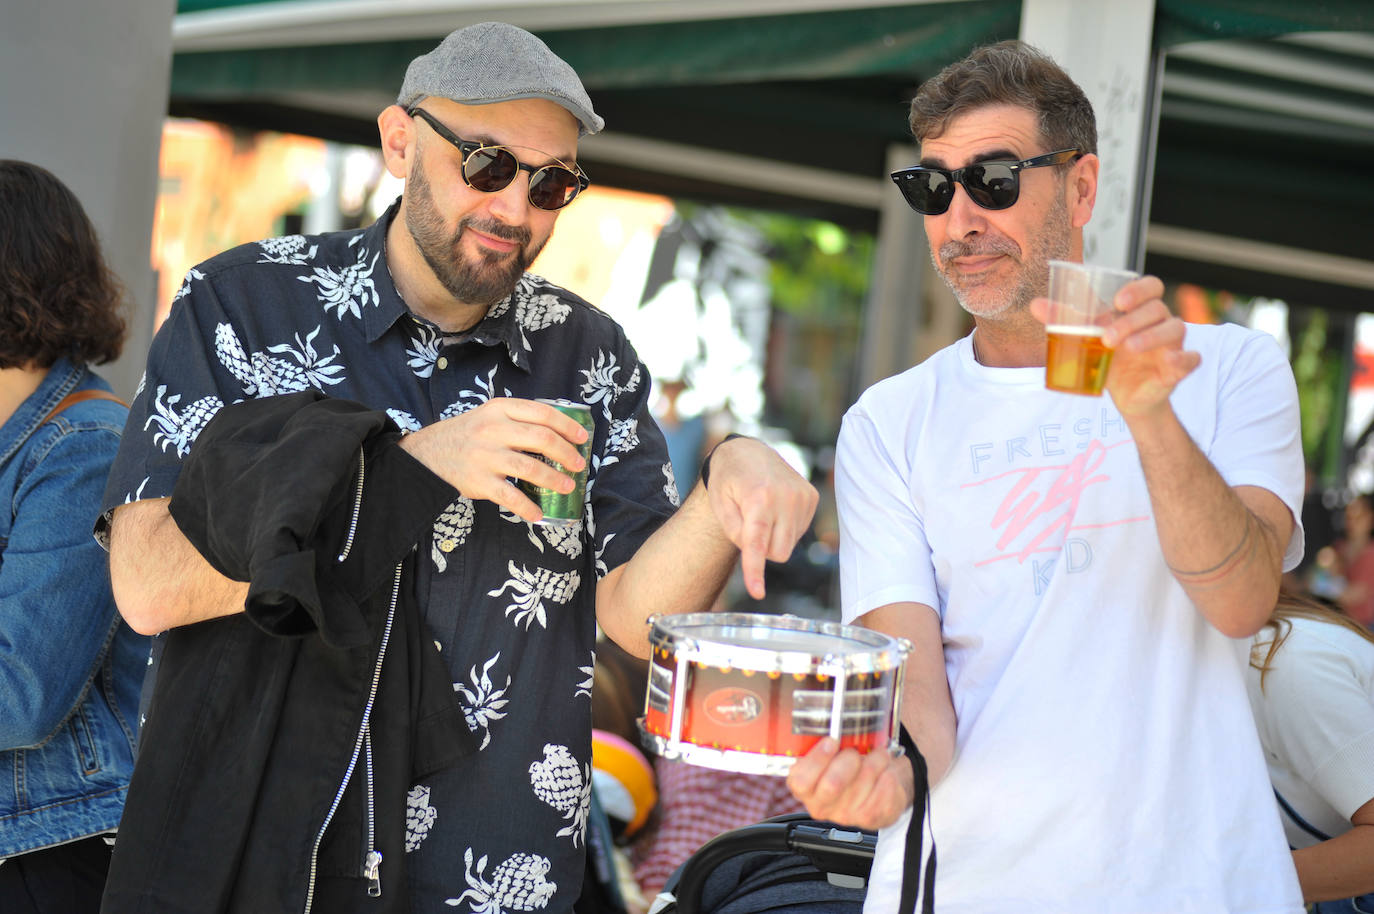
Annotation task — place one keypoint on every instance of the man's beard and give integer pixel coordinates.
(484, 281)
(1049, 242)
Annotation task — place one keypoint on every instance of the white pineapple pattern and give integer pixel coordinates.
(424, 351)
(566, 539)
(670, 486)
(518, 884)
(471, 399)
(404, 420)
(536, 312)
(420, 816)
(483, 703)
(451, 530)
(192, 275)
(263, 375)
(566, 786)
(533, 310)
(601, 569)
(523, 286)
(179, 429)
(529, 590)
(624, 436)
(584, 688)
(287, 249)
(137, 495)
(601, 386)
(347, 290)
(590, 515)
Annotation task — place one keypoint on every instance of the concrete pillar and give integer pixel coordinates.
(910, 312)
(83, 93)
(1106, 48)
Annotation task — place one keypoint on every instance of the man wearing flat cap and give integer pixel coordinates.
(374, 684)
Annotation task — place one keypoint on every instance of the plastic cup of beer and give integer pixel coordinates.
(1080, 310)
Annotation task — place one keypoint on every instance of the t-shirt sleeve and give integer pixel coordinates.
(184, 384)
(1257, 440)
(884, 555)
(630, 483)
(1320, 711)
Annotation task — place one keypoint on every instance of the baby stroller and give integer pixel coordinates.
(789, 864)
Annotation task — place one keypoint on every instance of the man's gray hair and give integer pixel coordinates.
(1007, 73)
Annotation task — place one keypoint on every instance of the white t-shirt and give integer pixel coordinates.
(1105, 757)
(1316, 723)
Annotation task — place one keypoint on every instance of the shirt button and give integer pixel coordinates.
(442, 363)
(448, 544)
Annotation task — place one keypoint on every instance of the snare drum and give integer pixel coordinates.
(750, 693)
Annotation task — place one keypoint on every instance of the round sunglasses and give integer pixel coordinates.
(992, 185)
(492, 168)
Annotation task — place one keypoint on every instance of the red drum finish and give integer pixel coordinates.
(750, 692)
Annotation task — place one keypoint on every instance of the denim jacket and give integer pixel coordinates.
(70, 669)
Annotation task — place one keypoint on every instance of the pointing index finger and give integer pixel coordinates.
(753, 549)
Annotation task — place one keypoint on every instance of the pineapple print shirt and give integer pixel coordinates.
(510, 604)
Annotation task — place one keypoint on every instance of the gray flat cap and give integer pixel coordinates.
(495, 62)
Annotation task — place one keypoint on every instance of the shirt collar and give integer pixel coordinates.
(500, 327)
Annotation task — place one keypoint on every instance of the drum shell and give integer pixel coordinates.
(747, 708)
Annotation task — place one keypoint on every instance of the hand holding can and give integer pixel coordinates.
(1076, 360)
(561, 509)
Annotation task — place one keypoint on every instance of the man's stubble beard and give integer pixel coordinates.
(1050, 242)
(484, 281)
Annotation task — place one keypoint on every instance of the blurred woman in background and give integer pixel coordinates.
(1356, 560)
(1311, 686)
(70, 670)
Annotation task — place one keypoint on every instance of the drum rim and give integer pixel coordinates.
(879, 652)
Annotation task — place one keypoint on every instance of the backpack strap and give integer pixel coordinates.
(78, 396)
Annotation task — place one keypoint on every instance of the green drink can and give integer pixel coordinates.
(564, 510)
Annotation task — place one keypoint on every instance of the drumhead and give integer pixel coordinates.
(786, 644)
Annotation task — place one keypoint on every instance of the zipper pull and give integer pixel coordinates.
(372, 868)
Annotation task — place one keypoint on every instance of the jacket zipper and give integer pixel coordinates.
(357, 510)
(375, 887)
(372, 861)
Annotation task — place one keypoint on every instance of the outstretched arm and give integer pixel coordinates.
(756, 508)
(1224, 544)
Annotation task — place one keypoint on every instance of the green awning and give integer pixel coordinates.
(1181, 21)
(910, 41)
(905, 40)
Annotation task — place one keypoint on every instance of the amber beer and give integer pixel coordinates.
(1077, 361)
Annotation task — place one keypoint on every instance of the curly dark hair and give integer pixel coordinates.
(57, 296)
(1007, 73)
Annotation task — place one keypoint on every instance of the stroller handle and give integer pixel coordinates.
(830, 848)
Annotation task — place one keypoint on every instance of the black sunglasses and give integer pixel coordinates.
(992, 185)
(492, 168)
